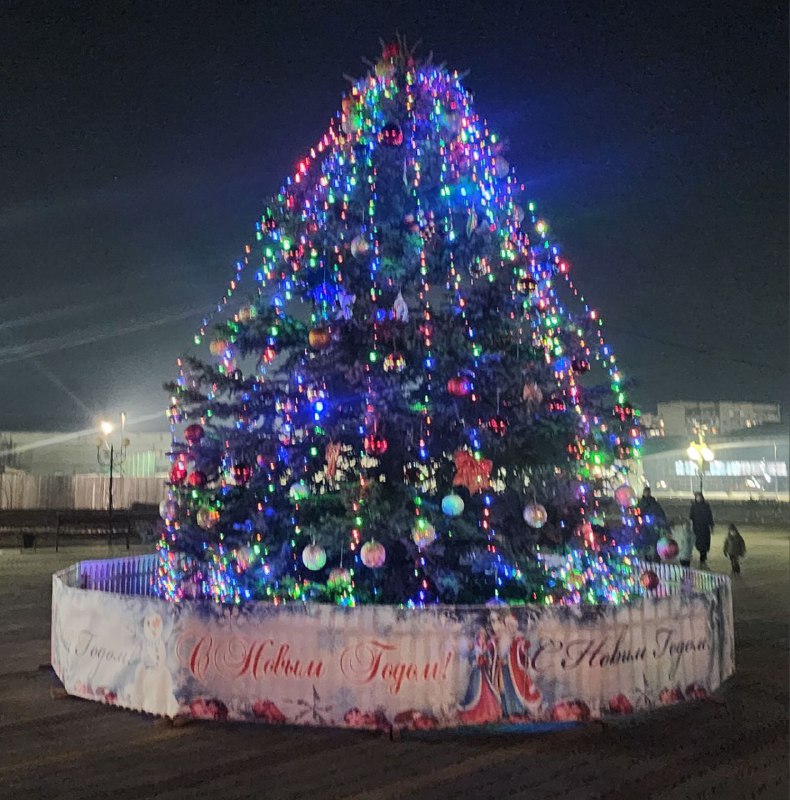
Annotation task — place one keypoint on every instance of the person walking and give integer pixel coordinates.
(734, 548)
(701, 518)
(652, 522)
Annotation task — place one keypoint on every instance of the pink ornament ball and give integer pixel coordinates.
(625, 496)
(373, 554)
(423, 534)
(667, 548)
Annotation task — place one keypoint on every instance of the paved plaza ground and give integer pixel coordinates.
(733, 747)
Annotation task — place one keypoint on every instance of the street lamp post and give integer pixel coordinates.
(107, 457)
(701, 455)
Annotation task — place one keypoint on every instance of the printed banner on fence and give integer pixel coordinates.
(382, 666)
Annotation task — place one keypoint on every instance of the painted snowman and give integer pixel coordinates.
(152, 689)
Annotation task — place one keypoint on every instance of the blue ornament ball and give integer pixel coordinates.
(452, 505)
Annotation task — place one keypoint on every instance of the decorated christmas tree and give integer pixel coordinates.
(404, 407)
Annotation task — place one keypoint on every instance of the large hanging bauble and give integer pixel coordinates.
(531, 394)
(375, 445)
(319, 338)
(667, 548)
(299, 491)
(423, 534)
(501, 167)
(452, 505)
(649, 580)
(360, 246)
(314, 557)
(373, 554)
(207, 518)
(197, 479)
(178, 472)
(168, 509)
(391, 135)
(625, 496)
(459, 386)
(339, 578)
(535, 515)
(193, 434)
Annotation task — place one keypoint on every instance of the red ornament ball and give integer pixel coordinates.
(459, 386)
(193, 434)
(649, 580)
(178, 472)
(391, 135)
(497, 425)
(319, 338)
(197, 479)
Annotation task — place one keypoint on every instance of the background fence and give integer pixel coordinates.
(63, 492)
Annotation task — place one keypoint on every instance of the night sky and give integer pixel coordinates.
(137, 147)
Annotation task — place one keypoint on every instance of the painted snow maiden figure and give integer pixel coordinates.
(701, 518)
(734, 548)
(481, 702)
(519, 695)
(684, 536)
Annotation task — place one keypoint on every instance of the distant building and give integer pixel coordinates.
(653, 425)
(719, 418)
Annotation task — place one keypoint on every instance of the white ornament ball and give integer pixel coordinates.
(299, 491)
(207, 518)
(535, 515)
(168, 509)
(501, 167)
(359, 246)
(452, 505)
(373, 554)
(314, 557)
(423, 534)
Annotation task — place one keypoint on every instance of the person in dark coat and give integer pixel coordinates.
(649, 506)
(701, 518)
(652, 524)
(734, 548)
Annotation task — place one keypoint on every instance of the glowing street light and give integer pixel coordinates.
(107, 457)
(701, 455)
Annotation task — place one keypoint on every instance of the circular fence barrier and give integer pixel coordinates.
(382, 666)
